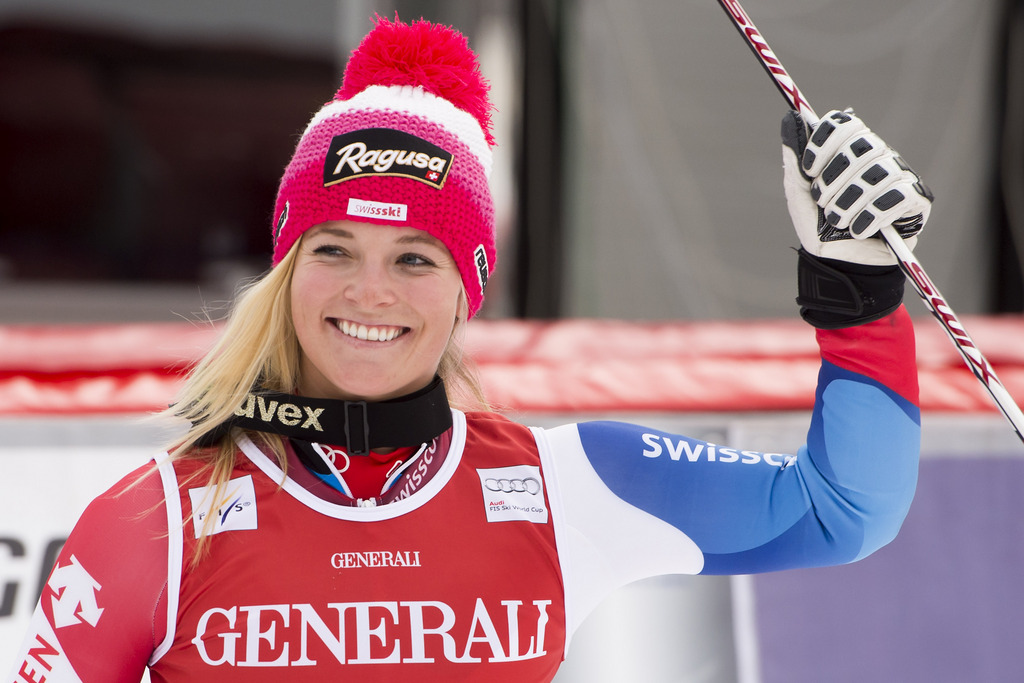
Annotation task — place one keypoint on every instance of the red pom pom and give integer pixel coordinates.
(437, 58)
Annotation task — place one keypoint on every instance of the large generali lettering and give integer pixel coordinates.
(388, 632)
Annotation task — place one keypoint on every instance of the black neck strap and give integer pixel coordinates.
(358, 426)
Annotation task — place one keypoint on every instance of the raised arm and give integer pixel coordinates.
(640, 502)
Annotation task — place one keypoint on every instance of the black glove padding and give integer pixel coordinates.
(843, 184)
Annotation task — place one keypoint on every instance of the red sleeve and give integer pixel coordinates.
(102, 611)
(883, 350)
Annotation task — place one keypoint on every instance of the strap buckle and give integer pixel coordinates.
(357, 428)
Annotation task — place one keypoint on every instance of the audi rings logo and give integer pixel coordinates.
(527, 485)
(514, 494)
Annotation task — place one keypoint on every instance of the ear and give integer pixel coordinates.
(462, 308)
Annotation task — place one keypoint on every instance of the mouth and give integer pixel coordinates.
(376, 333)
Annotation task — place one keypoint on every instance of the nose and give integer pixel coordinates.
(371, 286)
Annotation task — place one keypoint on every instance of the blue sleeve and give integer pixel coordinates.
(840, 497)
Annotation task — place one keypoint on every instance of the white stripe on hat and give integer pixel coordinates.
(415, 101)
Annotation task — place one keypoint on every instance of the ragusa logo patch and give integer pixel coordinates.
(385, 152)
(234, 510)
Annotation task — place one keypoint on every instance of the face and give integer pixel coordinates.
(373, 307)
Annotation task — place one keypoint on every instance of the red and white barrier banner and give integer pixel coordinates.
(528, 366)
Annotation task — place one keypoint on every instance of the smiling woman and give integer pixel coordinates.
(329, 504)
(374, 309)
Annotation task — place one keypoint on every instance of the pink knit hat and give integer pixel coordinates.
(406, 141)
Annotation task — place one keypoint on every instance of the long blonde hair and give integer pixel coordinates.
(258, 347)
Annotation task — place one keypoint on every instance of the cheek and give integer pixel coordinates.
(449, 302)
(440, 307)
(305, 293)
(298, 302)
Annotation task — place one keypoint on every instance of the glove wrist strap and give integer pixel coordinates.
(834, 294)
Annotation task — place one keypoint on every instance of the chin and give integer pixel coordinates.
(371, 390)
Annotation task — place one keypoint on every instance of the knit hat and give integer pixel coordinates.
(406, 141)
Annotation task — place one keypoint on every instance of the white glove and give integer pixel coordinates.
(844, 184)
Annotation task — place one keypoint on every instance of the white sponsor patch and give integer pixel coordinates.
(236, 509)
(514, 493)
(364, 208)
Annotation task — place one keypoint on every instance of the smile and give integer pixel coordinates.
(369, 332)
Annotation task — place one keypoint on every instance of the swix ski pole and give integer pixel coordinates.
(908, 263)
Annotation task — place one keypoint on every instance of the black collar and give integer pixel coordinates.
(358, 426)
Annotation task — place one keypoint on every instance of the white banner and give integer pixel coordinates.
(43, 491)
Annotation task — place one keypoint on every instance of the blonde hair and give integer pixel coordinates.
(259, 348)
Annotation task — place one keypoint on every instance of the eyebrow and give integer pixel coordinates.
(337, 232)
(419, 237)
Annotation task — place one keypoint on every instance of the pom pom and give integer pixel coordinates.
(434, 57)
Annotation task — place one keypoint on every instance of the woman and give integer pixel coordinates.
(330, 507)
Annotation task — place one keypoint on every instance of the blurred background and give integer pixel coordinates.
(638, 160)
(637, 178)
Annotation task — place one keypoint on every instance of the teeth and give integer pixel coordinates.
(368, 333)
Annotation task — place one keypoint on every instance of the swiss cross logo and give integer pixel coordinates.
(74, 599)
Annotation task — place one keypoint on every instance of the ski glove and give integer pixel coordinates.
(843, 184)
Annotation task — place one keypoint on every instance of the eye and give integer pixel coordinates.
(329, 250)
(412, 259)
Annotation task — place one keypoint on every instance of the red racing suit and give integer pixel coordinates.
(485, 570)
